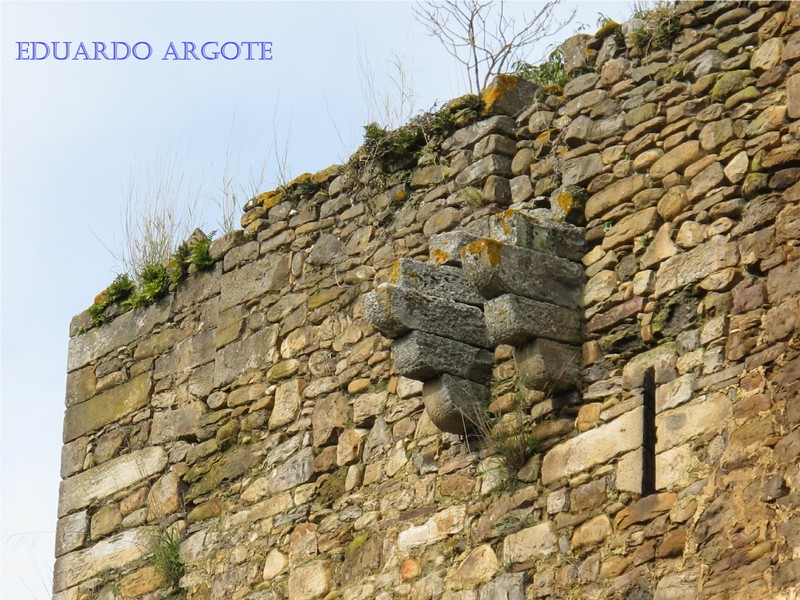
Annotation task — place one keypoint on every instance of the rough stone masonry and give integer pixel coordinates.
(619, 258)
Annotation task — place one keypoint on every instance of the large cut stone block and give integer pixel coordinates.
(518, 229)
(513, 319)
(109, 478)
(548, 366)
(269, 274)
(423, 356)
(126, 328)
(496, 268)
(454, 404)
(445, 248)
(256, 352)
(594, 447)
(106, 408)
(395, 311)
(438, 281)
(114, 553)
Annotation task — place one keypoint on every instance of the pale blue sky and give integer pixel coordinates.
(73, 132)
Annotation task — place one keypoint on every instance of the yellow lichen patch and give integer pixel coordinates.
(268, 199)
(607, 29)
(299, 179)
(544, 136)
(252, 215)
(394, 274)
(566, 201)
(464, 101)
(552, 90)
(486, 250)
(326, 175)
(440, 257)
(101, 297)
(400, 195)
(498, 89)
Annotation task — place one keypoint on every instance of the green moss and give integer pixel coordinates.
(332, 488)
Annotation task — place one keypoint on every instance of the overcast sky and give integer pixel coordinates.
(75, 133)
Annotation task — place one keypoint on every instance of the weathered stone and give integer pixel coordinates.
(467, 136)
(445, 248)
(495, 268)
(423, 356)
(616, 314)
(661, 358)
(109, 478)
(793, 96)
(631, 226)
(715, 134)
(736, 169)
(614, 195)
(395, 311)
(581, 169)
(593, 447)
(329, 418)
(519, 229)
(548, 366)
(644, 510)
(447, 522)
(441, 281)
(255, 352)
(288, 397)
(705, 181)
(479, 566)
(274, 564)
(477, 172)
(254, 279)
(169, 425)
(673, 202)
(593, 532)
(429, 175)
(455, 405)
(538, 541)
(164, 497)
(106, 407)
(71, 532)
(128, 327)
(690, 267)
(441, 221)
(681, 424)
(676, 159)
(311, 580)
(513, 319)
(117, 552)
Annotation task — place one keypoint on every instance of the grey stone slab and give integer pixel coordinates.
(268, 274)
(123, 330)
(513, 319)
(395, 311)
(108, 407)
(467, 136)
(455, 405)
(479, 171)
(424, 356)
(548, 366)
(115, 553)
(255, 352)
(519, 229)
(442, 281)
(495, 268)
(445, 248)
(109, 478)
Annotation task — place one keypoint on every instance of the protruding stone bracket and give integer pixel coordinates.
(521, 286)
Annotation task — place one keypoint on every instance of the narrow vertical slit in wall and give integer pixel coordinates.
(649, 433)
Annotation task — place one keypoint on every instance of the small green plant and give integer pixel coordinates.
(660, 25)
(549, 72)
(388, 147)
(166, 557)
(119, 291)
(153, 284)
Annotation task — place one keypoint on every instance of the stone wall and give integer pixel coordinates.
(259, 414)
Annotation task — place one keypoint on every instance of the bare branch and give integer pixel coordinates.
(482, 36)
